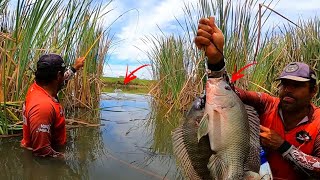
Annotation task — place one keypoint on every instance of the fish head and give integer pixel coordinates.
(219, 91)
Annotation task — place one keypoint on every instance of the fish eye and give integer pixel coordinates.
(227, 88)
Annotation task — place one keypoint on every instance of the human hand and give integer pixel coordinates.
(210, 37)
(58, 155)
(79, 63)
(270, 138)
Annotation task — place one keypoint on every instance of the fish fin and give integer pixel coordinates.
(250, 175)
(180, 149)
(217, 167)
(252, 162)
(203, 126)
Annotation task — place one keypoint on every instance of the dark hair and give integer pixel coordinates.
(312, 84)
(47, 68)
(313, 77)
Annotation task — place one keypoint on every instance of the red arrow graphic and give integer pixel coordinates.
(131, 76)
(238, 75)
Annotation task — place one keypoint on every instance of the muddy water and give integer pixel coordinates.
(122, 148)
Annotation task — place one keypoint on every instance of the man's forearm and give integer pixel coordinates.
(306, 163)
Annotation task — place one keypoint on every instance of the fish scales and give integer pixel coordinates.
(228, 130)
(226, 154)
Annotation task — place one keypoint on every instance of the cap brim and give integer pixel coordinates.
(294, 78)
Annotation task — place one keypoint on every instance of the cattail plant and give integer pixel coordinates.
(70, 29)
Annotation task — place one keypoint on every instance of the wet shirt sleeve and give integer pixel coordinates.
(260, 101)
(41, 118)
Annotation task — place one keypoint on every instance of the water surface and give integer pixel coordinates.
(122, 148)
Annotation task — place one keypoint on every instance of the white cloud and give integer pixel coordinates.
(12, 5)
(144, 19)
(137, 26)
(291, 9)
(298, 5)
(110, 12)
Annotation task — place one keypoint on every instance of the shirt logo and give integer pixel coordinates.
(44, 128)
(61, 111)
(303, 137)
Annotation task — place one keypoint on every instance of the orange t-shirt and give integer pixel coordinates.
(43, 123)
(302, 136)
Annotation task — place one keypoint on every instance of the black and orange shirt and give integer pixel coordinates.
(43, 122)
(301, 157)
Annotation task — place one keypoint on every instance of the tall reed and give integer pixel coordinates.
(287, 44)
(71, 29)
(173, 72)
(239, 23)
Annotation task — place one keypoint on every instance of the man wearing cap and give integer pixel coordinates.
(290, 123)
(44, 130)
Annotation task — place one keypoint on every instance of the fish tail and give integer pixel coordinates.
(250, 175)
(218, 168)
(226, 166)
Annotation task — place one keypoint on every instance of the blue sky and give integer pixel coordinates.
(145, 15)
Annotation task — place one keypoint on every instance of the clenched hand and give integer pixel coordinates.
(270, 138)
(210, 37)
(79, 63)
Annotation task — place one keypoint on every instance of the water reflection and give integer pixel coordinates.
(163, 124)
(135, 136)
(133, 143)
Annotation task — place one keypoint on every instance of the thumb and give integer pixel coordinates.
(212, 24)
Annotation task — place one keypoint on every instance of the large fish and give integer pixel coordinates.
(228, 135)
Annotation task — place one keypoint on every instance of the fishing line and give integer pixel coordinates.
(206, 63)
(259, 25)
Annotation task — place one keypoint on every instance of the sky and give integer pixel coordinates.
(140, 19)
(145, 17)
(130, 21)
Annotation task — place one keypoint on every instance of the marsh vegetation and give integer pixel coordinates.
(35, 27)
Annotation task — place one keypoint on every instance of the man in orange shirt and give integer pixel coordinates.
(44, 128)
(290, 123)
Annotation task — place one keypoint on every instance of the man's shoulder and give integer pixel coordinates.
(316, 112)
(39, 102)
(267, 97)
(37, 96)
